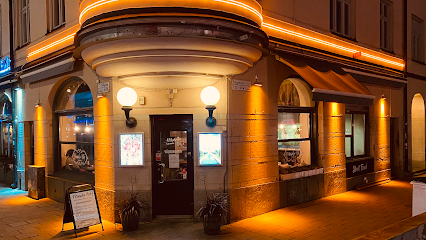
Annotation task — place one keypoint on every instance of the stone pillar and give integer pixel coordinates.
(104, 158)
(332, 147)
(382, 140)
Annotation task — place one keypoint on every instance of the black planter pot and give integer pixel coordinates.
(212, 224)
(130, 220)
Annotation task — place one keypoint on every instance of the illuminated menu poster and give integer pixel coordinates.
(85, 209)
(209, 149)
(131, 149)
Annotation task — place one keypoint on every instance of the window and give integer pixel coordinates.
(417, 39)
(57, 13)
(355, 134)
(24, 20)
(341, 17)
(74, 116)
(385, 26)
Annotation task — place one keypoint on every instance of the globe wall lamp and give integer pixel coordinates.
(210, 96)
(127, 97)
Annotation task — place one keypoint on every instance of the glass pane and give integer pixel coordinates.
(76, 128)
(385, 34)
(295, 153)
(174, 154)
(78, 157)
(332, 14)
(348, 124)
(347, 14)
(359, 134)
(75, 94)
(385, 10)
(348, 148)
(293, 125)
(338, 16)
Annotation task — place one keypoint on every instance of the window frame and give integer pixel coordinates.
(311, 111)
(334, 15)
(417, 53)
(24, 24)
(366, 133)
(389, 29)
(60, 14)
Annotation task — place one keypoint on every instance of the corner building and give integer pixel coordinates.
(332, 95)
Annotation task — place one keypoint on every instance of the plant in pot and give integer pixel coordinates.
(214, 211)
(131, 209)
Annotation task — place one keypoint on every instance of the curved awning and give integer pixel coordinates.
(329, 82)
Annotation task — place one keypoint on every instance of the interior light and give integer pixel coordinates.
(87, 129)
(76, 128)
(281, 126)
(68, 90)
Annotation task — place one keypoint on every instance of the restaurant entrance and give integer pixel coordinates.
(172, 165)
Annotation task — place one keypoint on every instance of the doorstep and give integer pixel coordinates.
(407, 229)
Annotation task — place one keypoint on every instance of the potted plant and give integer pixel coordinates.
(214, 212)
(130, 210)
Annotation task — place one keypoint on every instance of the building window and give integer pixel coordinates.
(57, 13)
(74, 117)
(355, 134)
(417, 39)
(341, 17)
(385, 26)
(24, 19)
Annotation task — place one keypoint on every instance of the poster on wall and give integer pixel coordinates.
(131, 149)
(209, 149)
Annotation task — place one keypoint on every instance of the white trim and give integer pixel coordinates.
(47, 68)
(373, 75)
(358, 95)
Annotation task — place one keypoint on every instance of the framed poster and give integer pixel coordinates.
(131, 149)
(210, 149)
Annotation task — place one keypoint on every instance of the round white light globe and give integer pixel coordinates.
(210, 95)
(127, 97)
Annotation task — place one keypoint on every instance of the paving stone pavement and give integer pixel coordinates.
(343, 216)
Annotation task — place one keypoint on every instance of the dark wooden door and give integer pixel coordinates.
(172, 165)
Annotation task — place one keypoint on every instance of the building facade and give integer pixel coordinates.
(316, 98)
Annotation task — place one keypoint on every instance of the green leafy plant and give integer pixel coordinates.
(215, 206)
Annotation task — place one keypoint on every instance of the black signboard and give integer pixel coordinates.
(358, 168)
(81, 207)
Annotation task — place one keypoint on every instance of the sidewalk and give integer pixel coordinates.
(343, 216)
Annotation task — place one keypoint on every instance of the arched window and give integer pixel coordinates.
(74, 122)
(294, 123)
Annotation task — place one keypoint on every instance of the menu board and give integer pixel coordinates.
(131, 149)
(85, 209)
(209, 149)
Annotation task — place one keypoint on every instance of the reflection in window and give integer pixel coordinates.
(76, 127)
(355, 135)
(294, 143)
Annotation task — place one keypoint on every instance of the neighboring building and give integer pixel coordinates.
(338, 79)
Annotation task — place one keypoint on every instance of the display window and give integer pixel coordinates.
(74, 120)
(355, 134)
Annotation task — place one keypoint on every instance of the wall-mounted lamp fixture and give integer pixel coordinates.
(257, 83)
(127, 97)
(38, 104)
(383, 96)
(210, 96)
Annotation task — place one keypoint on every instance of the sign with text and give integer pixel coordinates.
(103, 87)
(241, 85)
(85, 209)
(360, 167)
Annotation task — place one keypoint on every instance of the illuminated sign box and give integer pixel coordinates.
(210, 149)
(131, 149)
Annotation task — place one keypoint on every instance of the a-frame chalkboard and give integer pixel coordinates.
(81, 207)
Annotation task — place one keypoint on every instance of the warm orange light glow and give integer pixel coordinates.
(54, 43)
(243, 8)
(382, 107)
(279, 28)
(40, 141)
(335, 109)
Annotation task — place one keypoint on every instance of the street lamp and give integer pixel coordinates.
(127, 97)
(210, 96)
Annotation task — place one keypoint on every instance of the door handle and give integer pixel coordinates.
(162, 178)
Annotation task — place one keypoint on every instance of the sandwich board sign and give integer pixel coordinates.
(81, 207)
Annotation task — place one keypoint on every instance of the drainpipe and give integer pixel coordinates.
(405, 106)
(12, 70)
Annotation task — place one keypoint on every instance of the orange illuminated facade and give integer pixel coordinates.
(306, 110)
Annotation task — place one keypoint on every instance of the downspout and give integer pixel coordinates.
(12, 70)
(405, 106)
